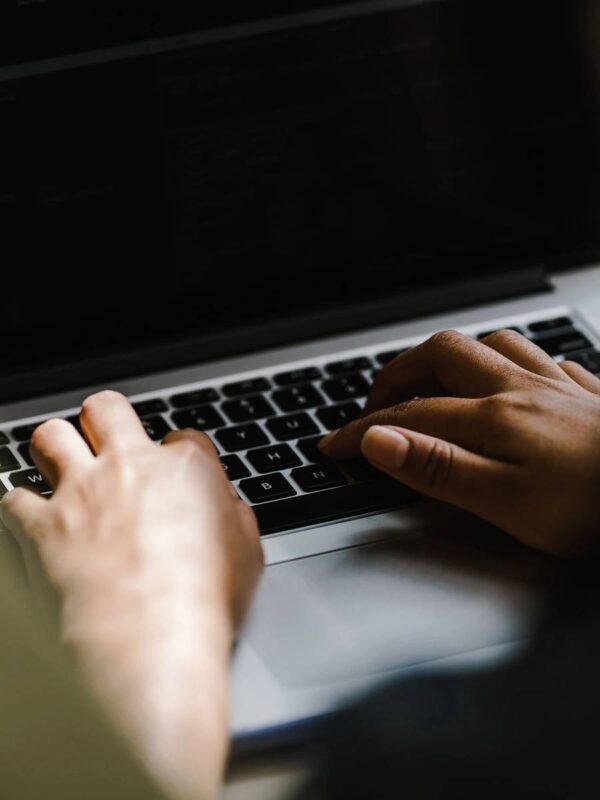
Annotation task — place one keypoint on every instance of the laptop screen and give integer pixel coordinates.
(180, 169)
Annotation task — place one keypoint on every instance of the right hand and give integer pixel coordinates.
(498, 429)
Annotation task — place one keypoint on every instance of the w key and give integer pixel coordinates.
(30, 479)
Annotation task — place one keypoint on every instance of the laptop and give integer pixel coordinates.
(236, 218)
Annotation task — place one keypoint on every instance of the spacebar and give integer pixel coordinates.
(348, 501)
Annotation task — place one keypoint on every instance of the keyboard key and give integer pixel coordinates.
(590, 360)
(357, 499)
(268, 487)
(293, 426)
(360, 470)
(8, 460)
(25, 454)
(197, 397)
(481, 336)
(3, 490)
(156, 427)
(3, 438)
(24, 432)
(318, 476)
(248, 408)
(234, 467)
(144, 408)
(202, 418)
(550, 324)
(301, 375)
(309, 449)
(242, 437)
(277, 456)
(390, 355)
(338, 416)
(346, 387)
(349, 365)
(249, 386)
(298, 397)
(30, 479)
(75, 421)
(561, 343)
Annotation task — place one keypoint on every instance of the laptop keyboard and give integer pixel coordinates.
(267, 428)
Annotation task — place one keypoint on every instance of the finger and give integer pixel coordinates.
(581, 376)
(57, 448)
(449, 363)
(526, 354)
(23, 512)
(442, 470)
(454, 419)
(108, 420)
(190, 434)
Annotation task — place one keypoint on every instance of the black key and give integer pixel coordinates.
(267, 487)
(346, 387)
(338, 416)
(3, 438)
(298, 397)
(360, 470)
(146, 407)
(298, 376)
(590, 360)
(248, 386)
(156, 427)
(25, 454)
(202, 418)
(481, 336)
(550, 324)
(349, 365)
(75, 421)
(8, 460)
(29, 479)
(234, 467)
(567, 342)
(242, 437)
(248, 408)
(24, 432)
(357, 499)
(318, 476)
(293, 426)
(197, 397)
(390, 355)
(309, 449)
(277, 456)
(3, 490)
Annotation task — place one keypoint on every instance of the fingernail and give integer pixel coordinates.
(385, 446)
(326, 441)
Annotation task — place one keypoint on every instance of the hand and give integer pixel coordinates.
(494, 427)
(156, 558)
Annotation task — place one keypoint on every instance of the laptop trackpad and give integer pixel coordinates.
(378, 607)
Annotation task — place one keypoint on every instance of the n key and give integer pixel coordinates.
(30, 479)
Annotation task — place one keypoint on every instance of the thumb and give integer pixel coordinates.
(441, 470)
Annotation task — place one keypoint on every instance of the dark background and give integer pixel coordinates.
(156, 198)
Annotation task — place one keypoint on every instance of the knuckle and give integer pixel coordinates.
(504, 336)
(445, 340)
(438, 464)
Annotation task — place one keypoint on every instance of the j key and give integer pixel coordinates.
(589, 360)
(202, 418)
(234, 467)
(7, 460)
(309, 449)
(29, 479)
(561, 343)
(293, 426)
(146, 407)
(298, 376)
(318, 476)
(298, 397)
(197, 397)
(249, 386)
(346, 387)
(248, 408)
(24, 432)
(156, 427)
(25, 454)
(338, 416)
(268, 487)
(550, 324)
(481, 336)
(278, 456)
(390, 355)
(241, 437)
(349, 365)
(360, 470)
(3, 438)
